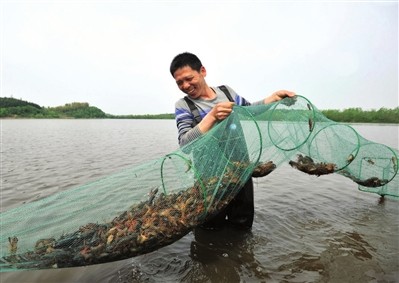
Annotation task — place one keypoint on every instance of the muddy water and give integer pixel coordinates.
(306, 229)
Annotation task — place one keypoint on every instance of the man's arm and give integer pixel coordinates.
(278, 95)
(218, 113)
(184, 121)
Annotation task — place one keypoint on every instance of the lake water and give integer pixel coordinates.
(306, 228)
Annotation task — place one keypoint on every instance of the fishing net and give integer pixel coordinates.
(143, 208)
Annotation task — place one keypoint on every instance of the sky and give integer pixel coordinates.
(115, 55)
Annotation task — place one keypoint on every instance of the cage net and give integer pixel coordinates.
(146, 207)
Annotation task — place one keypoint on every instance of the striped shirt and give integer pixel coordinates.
(184, 117)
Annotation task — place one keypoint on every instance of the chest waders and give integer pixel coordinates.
(240, 211)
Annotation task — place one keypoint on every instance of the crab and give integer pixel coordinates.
(263, 169)
(13, 242)
(307, 165)
(44, 245)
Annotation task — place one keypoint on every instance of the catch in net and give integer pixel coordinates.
(144, 208)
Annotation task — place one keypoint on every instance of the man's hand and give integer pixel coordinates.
(221, 110)
(278, 95)
(218, 113)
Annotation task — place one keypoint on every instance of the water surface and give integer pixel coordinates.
(306, 228)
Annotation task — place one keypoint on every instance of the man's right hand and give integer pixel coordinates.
(218, 113)
(221, 110)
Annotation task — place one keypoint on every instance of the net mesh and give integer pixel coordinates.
(143, 208)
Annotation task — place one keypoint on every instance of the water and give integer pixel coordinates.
(306, 228)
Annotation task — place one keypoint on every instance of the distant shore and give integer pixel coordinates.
(11, 108)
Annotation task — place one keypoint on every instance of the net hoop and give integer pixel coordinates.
(352, 154)
(289, 133)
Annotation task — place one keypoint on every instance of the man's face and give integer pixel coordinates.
(191, 82)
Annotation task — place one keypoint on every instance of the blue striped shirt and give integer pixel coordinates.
(184, 117)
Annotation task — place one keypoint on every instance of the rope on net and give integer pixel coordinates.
(146, 207)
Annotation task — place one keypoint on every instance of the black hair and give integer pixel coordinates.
(185, 59)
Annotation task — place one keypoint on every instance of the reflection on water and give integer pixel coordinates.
(306, 228)
(345, 253)
(231, 249)
(226, 255)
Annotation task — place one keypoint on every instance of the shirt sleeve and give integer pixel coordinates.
(184, 121)
(184, 118)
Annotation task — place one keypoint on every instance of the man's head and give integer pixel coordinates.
(189, 74)
(185, 59)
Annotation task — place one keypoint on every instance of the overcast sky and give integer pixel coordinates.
(116, 54)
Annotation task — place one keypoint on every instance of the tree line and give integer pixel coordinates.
(16, 108)
(357, 115)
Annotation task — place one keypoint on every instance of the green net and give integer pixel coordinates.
(143, 208)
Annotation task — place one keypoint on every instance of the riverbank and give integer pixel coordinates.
(15, 108)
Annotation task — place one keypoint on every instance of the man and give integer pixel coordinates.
(213, 106)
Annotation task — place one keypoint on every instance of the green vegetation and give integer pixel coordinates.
(357, 115)
(79, 110)
(16, 108)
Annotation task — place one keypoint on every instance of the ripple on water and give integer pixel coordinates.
(307, 228)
